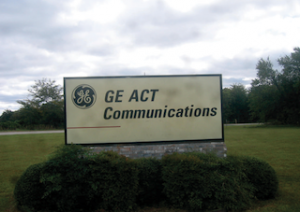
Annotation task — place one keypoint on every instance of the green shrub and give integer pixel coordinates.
(204, 182)
(210, 158)
(150, 182)
(262, 176)
(236, 192)
(73, 180)
(115, 179)
(29, 189)
(66, 180)
(186, 181)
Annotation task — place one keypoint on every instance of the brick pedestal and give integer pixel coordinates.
(157, 150)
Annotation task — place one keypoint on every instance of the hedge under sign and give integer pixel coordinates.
(106, 110)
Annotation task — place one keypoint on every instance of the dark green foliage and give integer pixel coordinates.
(200, 182)
(262, 176)
(48, 115)
(9, 125)
(28, 116)
(52, 114)
(8, 121)
(29, 189)
(182, 180)
(275, 95)
(115, 178)
(235, 104)
(236, 192)
(75, 180)
(65, 178)
(150, 182)
(44, 110)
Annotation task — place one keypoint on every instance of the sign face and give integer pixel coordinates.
(167, 108)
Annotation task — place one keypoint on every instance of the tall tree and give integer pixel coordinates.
(263, 101)
(29, 116)
(275, 95)
(43, 91)
(235, 104)
(227, 111)
(7, 115)
(53, 114)
(44, 107)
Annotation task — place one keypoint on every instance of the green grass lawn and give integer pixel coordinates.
(279, 146)
(17, 152)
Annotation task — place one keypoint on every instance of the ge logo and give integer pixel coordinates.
(84, 96)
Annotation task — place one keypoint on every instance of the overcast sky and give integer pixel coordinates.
(55, 39)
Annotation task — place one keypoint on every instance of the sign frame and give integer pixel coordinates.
(148, 141)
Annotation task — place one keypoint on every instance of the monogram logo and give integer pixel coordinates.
(84, 96)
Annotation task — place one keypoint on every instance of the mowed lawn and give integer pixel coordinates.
(279, 146)
(17, 152)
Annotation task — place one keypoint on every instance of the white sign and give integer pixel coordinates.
(105, 110)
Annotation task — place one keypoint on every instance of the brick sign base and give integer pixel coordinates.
(159, 150)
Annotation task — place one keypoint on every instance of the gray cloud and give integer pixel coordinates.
(32, 19)
(36, 42)
(227, 83)
(11, 98)
(156, 24)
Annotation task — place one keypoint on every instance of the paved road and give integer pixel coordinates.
(31, 132)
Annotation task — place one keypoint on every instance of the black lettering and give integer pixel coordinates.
(117, 114)
(179, 112)
(105, 113)
(142, 95)
(109, 98)
(139, 113)
(152, 111)
(153, 94)
(169, 113)
(165, 111)
(134, 95)
(197, 112)
(207, 111)
(125, 114)
(119, 95)
(186, 111)
(213, 111)
(109, 113)
(191, 111)
(156, 112)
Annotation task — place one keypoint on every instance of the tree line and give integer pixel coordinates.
(44, 109)
(274, 96)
